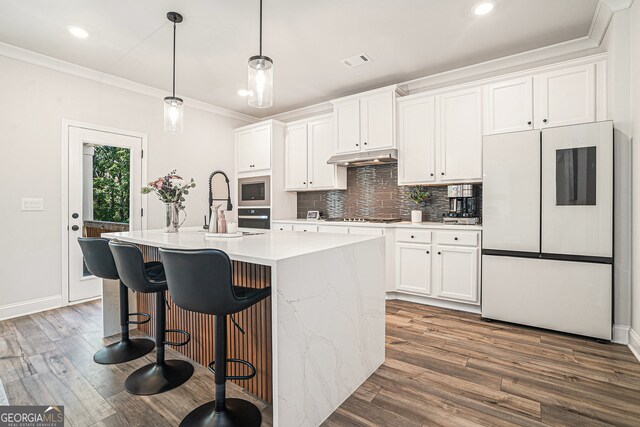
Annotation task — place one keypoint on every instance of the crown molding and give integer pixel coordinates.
(45, 61)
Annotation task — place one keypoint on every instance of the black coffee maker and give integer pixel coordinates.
(463, 205)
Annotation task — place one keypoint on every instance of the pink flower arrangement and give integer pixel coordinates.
(170, 188)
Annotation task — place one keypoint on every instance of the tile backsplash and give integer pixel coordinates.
(373, 191)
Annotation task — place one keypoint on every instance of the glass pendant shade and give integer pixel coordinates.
(173, 114)
(260, 82)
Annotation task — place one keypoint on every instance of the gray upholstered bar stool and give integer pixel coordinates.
(202, 281)
(99, 262)
(163, 375)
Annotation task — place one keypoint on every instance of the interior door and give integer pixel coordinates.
(577, 190)
(416, 141)
(296, 173)
(100, 198)
(511, 192)
(376, 121)
(321, 175)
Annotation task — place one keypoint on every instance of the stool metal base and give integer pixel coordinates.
(123, 351)
(157, 378)
(238, 413)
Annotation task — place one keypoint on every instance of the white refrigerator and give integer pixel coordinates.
(547, 246)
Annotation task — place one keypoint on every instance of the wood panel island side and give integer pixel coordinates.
(313, 342)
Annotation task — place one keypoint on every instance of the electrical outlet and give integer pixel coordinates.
(32, 204)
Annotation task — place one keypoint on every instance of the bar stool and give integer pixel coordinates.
(163, 375)
(99, 262)
(202, 281)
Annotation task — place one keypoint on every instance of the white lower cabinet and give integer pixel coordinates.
(311, 228)
(456, 273)
(413, 272)
(446, 269)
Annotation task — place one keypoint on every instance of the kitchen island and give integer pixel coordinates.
(314, 341)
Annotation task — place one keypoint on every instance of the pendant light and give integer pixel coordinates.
(173, 106)
(260, 82)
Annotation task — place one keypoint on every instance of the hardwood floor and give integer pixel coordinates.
(443, 368)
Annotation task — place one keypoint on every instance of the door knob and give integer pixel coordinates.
(439, 253)
(427, 252)
(529, 122)
(75, 215)
(431, 174)
(441, 173)
(75, 228)
(545, 120)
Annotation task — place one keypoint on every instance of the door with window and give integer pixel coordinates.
(104, 184)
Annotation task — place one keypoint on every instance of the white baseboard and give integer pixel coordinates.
(620, 334)
(634, 343)
(432, 301)
(18, 309)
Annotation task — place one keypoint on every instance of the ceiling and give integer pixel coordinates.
(405, 39)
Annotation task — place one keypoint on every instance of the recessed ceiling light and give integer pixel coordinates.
(244, 92)
(483, 8)
(78, 32)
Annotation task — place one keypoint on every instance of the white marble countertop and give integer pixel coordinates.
(265, 249)
(403, 224)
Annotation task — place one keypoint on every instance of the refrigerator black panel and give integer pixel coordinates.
(576, 176)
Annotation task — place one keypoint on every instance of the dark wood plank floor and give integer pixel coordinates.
(443, 368)
(448, 368)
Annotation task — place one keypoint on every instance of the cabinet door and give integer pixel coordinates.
(416, 141)
(321, 175)
(282, 227)
(457, 273)
(566, 97)
(261, 148)
(347, 126)
(413, 268)
(508, 106)
(296, 152)
(244, 151)
(376, 121)
(460, 136)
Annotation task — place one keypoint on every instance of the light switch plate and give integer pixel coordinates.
(32, 204)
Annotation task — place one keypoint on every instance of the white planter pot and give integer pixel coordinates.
(416, 216)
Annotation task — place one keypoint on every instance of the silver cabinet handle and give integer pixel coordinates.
(253, 217)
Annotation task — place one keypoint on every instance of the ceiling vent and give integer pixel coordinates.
(356, 60)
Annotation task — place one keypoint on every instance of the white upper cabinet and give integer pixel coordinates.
(253, 149)
(416, 141)
(296, 152)
(565, 97)
(365, 122)
(460, 136)
(347, 123)
(376, 121)
(320, 146)
(309, 144)
(508, 106)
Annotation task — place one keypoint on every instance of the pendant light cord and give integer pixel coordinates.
(260, 27)
(174, 59)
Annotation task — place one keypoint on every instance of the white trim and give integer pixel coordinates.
(9, 311)
(618, 5)
(51, 63)
(64, 191)
(620, 334)
(424, 300)
(634, 343)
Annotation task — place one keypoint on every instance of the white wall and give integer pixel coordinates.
(618, 42)
(35, 100)
(635, 131)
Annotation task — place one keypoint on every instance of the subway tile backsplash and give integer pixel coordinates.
(373, 191)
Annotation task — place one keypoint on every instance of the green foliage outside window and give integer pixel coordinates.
(111, 184)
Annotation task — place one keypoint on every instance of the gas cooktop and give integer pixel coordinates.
(355, 219)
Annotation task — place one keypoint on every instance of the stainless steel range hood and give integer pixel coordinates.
(376, 157)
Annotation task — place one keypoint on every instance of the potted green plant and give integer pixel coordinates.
(418, 195)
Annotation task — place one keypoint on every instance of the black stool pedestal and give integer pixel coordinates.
(237, 412)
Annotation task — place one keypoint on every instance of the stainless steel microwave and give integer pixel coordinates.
(254, 191)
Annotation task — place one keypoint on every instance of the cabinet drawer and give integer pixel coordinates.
(457, 238)
(305, 227)
(333, 229)
(413, 236)
(371, 231)
(282, 227)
